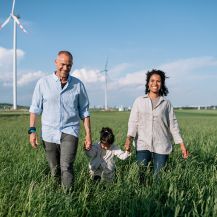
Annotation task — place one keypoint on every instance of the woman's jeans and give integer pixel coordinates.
(159, 160)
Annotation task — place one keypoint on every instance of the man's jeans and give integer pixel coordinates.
(61, 158)
(159, 160)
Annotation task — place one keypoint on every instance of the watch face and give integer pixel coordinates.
(31, 130)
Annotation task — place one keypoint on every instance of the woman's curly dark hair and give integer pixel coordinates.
(107, 136)
(164, 90)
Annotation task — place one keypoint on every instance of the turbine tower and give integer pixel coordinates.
(16, 22)
(106, 80)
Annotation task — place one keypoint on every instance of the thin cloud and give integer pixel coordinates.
(187, 66)
(6, 64)
(116, 70)
(6, 68)
(88, 75)
(6, 56)
(176, 69)
(132, 79)
(30, 77)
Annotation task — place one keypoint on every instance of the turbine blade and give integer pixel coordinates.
(18, 22)
(12, 10)
(5, 23)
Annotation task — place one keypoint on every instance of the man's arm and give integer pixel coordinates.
(33, 136)
(88, 138)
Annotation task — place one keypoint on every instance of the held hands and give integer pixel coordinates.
(87, 142)
(128, 143)
(185, 152)
(33, 140)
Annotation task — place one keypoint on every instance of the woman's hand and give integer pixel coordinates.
(185, 152)
(128, 143)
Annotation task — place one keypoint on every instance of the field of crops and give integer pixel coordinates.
(186, 188)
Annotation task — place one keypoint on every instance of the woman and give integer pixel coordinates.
(152, 123)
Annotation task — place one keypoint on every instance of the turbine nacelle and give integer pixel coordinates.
(14, 17)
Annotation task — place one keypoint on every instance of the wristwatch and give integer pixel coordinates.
(32, 130)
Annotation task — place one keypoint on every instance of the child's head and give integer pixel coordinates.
(107, 137)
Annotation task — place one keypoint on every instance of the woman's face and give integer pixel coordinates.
(154, 84)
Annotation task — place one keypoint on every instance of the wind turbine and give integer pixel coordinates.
(16, 22)
(106, 80)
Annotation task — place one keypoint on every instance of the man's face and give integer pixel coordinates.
(63, 65)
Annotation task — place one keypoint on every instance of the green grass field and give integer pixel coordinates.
(187, 187)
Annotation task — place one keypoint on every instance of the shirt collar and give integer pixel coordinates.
(160, 99)
(57, 79)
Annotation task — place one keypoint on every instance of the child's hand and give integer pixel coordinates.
(128, 148)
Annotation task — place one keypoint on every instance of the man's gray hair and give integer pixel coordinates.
(66, 53)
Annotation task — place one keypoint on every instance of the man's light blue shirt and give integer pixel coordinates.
(61, 108)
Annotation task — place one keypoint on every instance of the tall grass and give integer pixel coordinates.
(186, 187)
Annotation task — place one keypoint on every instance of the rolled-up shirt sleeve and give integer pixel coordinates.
(133, 120)
(83, 106)
(174, 126)
(37, 98)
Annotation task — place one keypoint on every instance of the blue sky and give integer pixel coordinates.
(179, 37)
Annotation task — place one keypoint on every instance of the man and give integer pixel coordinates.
(62, 100)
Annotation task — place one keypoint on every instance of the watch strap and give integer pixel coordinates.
(32, 130)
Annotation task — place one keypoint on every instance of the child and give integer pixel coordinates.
(102, 164)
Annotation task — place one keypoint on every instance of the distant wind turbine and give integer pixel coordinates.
(106, 80)
(16, 22)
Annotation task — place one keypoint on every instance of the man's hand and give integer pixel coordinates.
(33, 140)
(32, 134)
(88, 139)
(88, 142)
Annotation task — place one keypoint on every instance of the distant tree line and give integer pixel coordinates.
(8, 106)
(211, 107)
